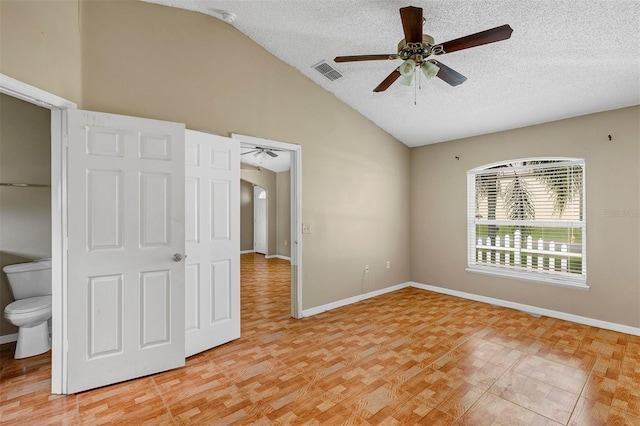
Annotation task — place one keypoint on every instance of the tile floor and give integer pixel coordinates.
(408, 357)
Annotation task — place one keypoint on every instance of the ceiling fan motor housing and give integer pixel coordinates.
(418, 51)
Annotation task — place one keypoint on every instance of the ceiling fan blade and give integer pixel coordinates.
(356, 58)
(271, 153)
(412, 23)
(478, 39)
(388, 81)
(449, 75)
(249, 152)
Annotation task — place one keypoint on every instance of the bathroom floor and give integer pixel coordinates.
(408, 357)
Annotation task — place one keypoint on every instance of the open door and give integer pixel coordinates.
(212, 194)
(125, 270)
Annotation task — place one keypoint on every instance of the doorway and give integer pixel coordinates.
(267, 150)
(17, 89)
(25, 192)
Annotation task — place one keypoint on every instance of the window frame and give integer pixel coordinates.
(575, 281)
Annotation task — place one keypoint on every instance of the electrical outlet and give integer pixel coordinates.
(388, 264)
(285, 242)
(306, 228)
(366, 269)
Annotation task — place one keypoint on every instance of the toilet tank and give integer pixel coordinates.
(29, 279)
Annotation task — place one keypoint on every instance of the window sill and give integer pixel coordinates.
(548, 279)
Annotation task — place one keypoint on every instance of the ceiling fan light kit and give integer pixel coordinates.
(429, 69)
(416, 47)
(407, 70)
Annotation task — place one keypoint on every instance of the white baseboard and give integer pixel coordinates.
(267, 256)
(532, 309)
(478, 298)
(348, 301)
(8, 338)
(278, 256)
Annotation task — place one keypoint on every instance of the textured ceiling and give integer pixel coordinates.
(564, 59)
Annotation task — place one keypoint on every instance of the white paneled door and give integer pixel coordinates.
(126, 243)
(212, 230)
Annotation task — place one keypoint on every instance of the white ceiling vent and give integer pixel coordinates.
(327, 70)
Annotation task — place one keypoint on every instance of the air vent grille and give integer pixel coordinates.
(327, 70)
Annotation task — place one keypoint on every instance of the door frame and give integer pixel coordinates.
(296, 213)
(58, 106)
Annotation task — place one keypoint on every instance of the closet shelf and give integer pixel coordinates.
(26, 185)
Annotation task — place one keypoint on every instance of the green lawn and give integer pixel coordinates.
(557, 235)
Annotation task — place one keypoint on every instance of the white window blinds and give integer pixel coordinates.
(526, 219)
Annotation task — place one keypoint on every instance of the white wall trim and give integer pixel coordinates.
(532, 309)
(478, 298)
(23, 91)
(8, 338)
(348, 301)
(246, 251)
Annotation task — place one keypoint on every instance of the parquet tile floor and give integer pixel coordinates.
(408, 357)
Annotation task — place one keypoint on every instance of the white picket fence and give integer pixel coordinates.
(500, 254)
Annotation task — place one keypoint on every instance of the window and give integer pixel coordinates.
(526, 219)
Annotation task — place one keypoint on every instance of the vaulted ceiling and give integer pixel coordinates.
(564, 58)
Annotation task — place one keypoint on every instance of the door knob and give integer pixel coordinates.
(177, 257)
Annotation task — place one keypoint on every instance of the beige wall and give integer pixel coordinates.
(153, 61)
(438, 212)
(40, 44)
(246, 215)
(25, 213)
(283, 214)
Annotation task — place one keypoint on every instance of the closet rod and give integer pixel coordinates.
(26, 185)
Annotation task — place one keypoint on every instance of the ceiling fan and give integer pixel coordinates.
(416, 47)
(261, 150)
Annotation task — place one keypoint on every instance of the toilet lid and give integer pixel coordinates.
(31, 304)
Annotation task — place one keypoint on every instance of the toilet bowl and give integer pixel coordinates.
(30, 284)
(31, 315)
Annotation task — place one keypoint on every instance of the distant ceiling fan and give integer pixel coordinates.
(416, 47)
(261, 150)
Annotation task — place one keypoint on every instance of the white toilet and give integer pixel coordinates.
(31, 287)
